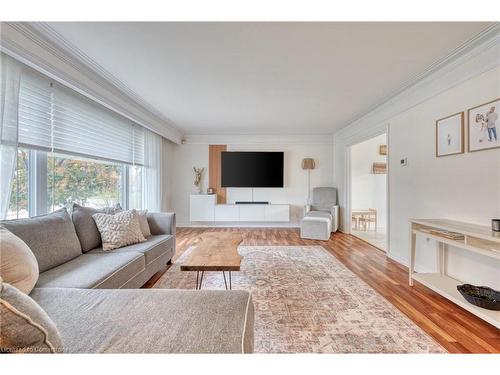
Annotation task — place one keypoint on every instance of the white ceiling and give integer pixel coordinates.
(279, 78)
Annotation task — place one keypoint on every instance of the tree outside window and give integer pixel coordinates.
(87, 182)
(19, 204)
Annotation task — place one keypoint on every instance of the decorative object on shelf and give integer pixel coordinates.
(210, 191)
(379, 168)
(308, 164)
(382, 150)
(198, 174)
(450, 135)
(447, 234)
(495, 225)
(481, 296)
(483, 126)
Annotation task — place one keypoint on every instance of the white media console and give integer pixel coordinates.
(204, 207)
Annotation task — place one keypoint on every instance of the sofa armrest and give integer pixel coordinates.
(161, 222)
(335, 218)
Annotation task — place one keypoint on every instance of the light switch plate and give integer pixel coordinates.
(403, 162)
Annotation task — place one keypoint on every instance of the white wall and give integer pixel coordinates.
(186, 157)
(195, 153)
(369, 190)
(463, 187)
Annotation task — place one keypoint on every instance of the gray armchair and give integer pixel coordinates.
(324, 200)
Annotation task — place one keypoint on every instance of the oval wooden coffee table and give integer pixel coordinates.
(215, 251)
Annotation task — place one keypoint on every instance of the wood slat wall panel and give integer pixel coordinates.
(214, 171)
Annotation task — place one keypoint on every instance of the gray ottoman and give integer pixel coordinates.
(316, 225)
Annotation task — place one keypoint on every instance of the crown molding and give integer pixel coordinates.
(472, 58)
(40, 47)
(258, 139)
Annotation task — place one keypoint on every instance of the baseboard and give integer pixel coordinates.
(239, 225)
(405, 263)
(398, 259)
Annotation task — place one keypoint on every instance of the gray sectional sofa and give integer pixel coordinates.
(69, 253)
(89, 293)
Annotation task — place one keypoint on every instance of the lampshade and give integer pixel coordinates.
(308, 163)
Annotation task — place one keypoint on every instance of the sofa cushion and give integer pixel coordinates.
(154, 247)
(326, 215)
(110, 270)
(18, 265)
(161, 222)
(52, 237)
(151, 321)
(119, 230)
(143, 222)
(85, 226)
(24, 326)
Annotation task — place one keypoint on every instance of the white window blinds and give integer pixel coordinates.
(35, 106)
(55, 118)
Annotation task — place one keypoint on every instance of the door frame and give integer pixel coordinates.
(348, 183)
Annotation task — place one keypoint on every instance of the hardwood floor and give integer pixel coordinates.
(457, 330)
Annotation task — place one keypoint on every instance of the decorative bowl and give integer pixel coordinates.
(481, 296)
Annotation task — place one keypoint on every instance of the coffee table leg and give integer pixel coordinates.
(199, 279)
(230, 286)
(224, 275)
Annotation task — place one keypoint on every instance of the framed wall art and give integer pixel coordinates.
(483, 126)
(450, 135)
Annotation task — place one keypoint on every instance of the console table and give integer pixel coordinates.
(204, 207)
(476, 238)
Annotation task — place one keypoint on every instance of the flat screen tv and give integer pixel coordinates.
(252, 169)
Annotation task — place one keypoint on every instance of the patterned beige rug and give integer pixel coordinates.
(307, 301)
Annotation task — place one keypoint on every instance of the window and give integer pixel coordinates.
(55, 118)
(88, 182)
(135, 186)
(73, 151)
(19, 197)
(64, 179)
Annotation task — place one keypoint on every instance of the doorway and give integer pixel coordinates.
(368, 191)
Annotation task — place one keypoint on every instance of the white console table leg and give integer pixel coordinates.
(439, 257)
(413, 242)
(442, 257)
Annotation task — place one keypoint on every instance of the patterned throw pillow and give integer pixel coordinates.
(119, 230)
(85, 227)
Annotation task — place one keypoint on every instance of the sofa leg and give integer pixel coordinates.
(169, 262)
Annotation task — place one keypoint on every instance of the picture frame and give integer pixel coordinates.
(450, 135)
(382, 150)
(483, 126)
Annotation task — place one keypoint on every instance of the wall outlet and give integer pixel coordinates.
(403, 162)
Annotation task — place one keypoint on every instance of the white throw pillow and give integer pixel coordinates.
(118, 230)
(143, 222)
(18, 265)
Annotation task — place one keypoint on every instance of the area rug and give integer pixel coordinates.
(306, 301)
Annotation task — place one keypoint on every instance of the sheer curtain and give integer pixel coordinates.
(154, 194)
(9, 98)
